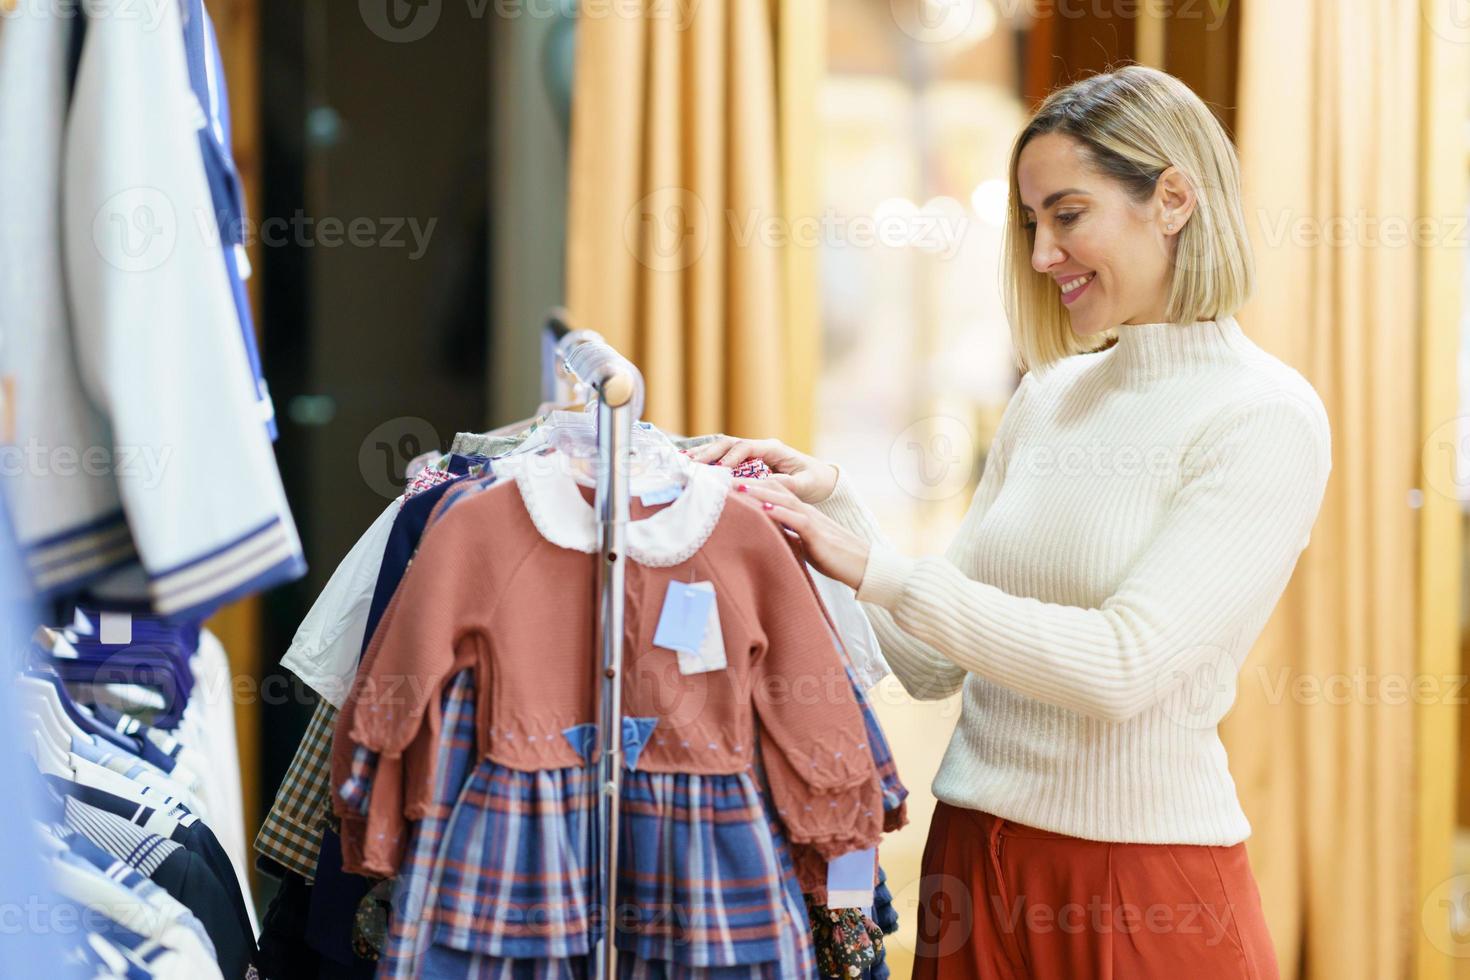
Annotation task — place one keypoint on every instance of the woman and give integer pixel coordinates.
(1139, 515)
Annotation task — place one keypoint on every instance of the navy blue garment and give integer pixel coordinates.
(284, 954)
(886, 917)
(403, 539)
(335, 895)
(135, 734)
(157, 657)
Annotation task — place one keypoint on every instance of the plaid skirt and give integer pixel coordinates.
(701, 881)
(660, 811)
(795, 960)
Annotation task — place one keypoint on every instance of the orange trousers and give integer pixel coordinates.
(999, 900)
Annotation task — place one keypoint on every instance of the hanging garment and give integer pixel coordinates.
(485, 572)
(156, 513)
(291, 836)
(324, 651)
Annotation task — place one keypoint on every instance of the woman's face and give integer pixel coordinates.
(1088, 234)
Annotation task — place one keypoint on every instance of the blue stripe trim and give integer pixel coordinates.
(216, 552)
(77, 583)
(97, 523)
(112, 542)
(287, 570)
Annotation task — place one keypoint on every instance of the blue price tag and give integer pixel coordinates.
(684, 619)
(850, 879)
(661, 495)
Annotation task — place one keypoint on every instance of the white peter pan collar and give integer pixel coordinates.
(668, 537)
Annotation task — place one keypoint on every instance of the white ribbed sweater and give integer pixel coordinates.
(1139, 515)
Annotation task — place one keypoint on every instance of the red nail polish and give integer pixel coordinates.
(741, 488)
(767, 504)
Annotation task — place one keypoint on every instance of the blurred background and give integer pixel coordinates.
(788, 214)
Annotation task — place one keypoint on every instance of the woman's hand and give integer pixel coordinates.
(832, 549)
(810, 479)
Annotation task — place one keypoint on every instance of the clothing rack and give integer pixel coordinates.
(581, 357)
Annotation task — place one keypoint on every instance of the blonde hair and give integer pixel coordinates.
(1134, 123)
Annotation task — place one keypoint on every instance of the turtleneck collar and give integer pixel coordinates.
(1152, 350)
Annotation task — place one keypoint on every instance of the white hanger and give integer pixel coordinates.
(53, 757)
(38, 695)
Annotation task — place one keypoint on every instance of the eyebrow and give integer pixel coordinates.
(1056, 196)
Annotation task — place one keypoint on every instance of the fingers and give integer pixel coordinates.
(767, 494)
(729, 451)
(784, 480)
(742, 450)
(786, 517)
(768, 491)
(711, 451)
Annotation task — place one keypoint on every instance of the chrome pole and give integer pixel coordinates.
(614, 436)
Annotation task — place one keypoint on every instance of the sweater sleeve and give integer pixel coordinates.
(926, 673)
(813, 737)
(428, 633)
(1251, 488)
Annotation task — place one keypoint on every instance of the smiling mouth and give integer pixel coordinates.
(1073, 288)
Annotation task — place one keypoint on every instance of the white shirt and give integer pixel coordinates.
(325, 650)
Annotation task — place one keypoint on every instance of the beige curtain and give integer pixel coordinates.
(691, 149)
(1331, 118)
